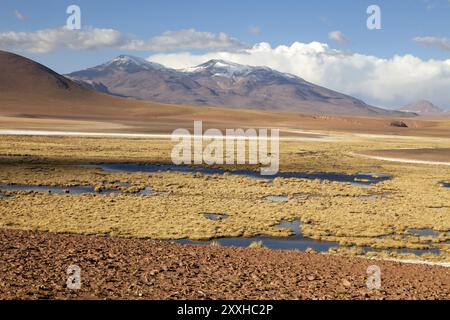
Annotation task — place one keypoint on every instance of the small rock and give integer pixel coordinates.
(399, 124)
(346, 283)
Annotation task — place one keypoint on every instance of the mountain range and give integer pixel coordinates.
(220, 83)
(423, 107)
(34, 96)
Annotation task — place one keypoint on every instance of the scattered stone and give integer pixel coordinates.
(346, 283)
(34, 266)
(399, 124)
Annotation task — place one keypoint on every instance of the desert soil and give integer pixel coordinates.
(425, 154)
(33, 265)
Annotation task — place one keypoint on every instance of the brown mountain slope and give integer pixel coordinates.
(29, 88)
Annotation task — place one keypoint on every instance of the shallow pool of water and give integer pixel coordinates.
(277, 198)
(295, 242)
(295, 226)
(362, 179)
(373, 197)
(423, 232)
(435, 251)
(215, 216)
(147, 191)
(78, 190)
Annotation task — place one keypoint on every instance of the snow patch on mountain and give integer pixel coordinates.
(126, 61)
(222, 68)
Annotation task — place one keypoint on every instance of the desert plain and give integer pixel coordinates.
(400, 222)
(87, 180)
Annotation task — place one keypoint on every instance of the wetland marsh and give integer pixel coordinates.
(345, 204)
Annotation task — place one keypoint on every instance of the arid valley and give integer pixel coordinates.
(352, 210)
(95, 205)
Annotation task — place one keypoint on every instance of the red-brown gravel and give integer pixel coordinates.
(33, 265)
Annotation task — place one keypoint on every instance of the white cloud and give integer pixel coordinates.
(48, 40)
(443, 43)
(385, 82)
(20, 15)
(187, 39)
(337, 36)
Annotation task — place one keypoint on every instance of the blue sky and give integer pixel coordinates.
(275, 22)
(280, 22)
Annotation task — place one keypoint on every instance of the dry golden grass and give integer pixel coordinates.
(413, 199)
(256, 245)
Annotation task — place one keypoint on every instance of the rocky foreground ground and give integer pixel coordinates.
(33, 265)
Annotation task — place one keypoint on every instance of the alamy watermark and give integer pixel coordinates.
(236, 146)
(374, 278)
(374, 20)
(73, 277)
(73, 22)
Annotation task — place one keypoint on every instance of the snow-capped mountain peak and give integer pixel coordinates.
(223, 68)
(219, 83)
(126, 61)
(220, 67)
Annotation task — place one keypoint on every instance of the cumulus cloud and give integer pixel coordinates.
(443, 43)
(187, 39)
(385, 82)
(337, 36)
(44, 41)
(19, 15)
